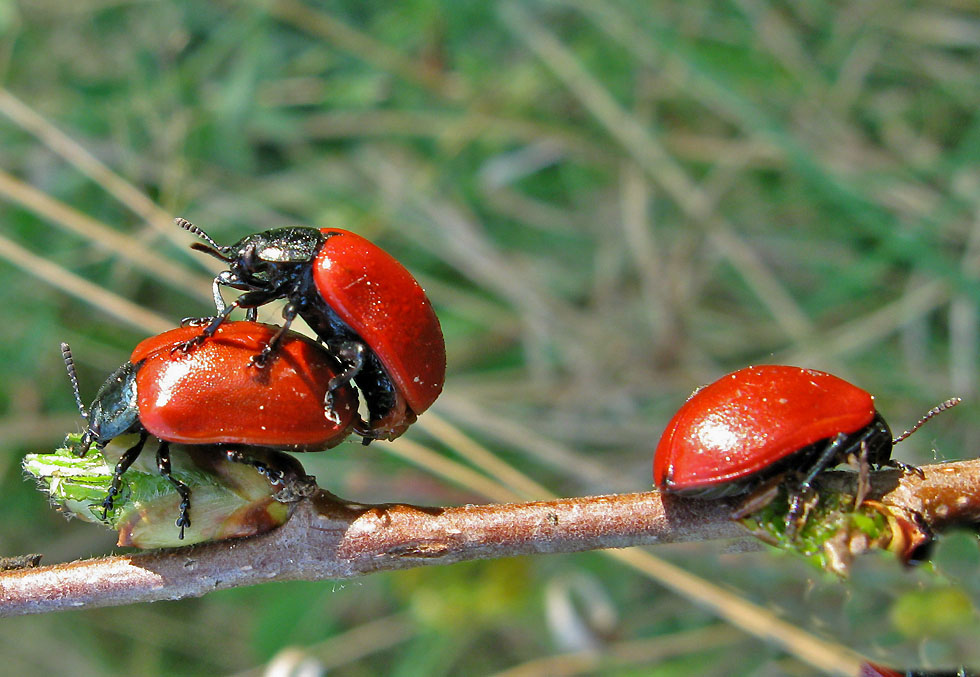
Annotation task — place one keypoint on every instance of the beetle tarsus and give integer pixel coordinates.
(260, 360)
(906, 468)
(195, 321)
(215, 322)
(188, 346)
(330, 411)
(163, 465)
(183, 520)
(269, 351)
(801, 501)
(274, 475)
(363, 428)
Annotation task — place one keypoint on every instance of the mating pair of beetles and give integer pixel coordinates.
(217, 382)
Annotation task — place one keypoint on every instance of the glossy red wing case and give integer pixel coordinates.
(212, 394)
(381, 301)
(752, 418)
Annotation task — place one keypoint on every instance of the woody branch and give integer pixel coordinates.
(328, 538)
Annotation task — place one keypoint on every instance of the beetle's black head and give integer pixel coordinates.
(262, 260)
(114, 411)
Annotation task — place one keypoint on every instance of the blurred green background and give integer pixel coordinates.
(608, 202)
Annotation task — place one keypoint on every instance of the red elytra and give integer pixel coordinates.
(381, 301)
(212, 395)
(755, 421)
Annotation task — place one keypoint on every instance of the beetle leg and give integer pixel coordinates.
(80, 448)
(122, 465)
(274, 475)
(823, 460)
(350, 354)
(759, 498)
(800, 498)
(801, 501)
(225, 278)
(163, 465)
(249, 300)
(208, 332)
(260, 360)
(905, 467)
(286, 475)
(363, 428)
(192, 321)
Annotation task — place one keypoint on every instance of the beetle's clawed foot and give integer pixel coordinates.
(184, 519)
(274, 475)
(262, 359)
(107, 504)
(195, 321)
(188, 346)
(907, 468)
(329, 410)
(801, 501)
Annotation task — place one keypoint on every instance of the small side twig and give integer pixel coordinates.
(330, 538)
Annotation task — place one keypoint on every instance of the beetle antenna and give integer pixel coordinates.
(941, 407)
(73, 377)
(215, 249)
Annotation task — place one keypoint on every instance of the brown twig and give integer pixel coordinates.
(329, 538)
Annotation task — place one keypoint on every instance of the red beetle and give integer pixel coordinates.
(368, 309)
(759, 422)
(211, 397)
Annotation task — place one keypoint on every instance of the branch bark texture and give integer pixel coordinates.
(330, 538)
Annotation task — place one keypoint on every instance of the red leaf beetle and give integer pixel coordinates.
(763, 421)
(359, 300)
(211, 397)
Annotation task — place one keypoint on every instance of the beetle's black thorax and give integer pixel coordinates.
(275, 262)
